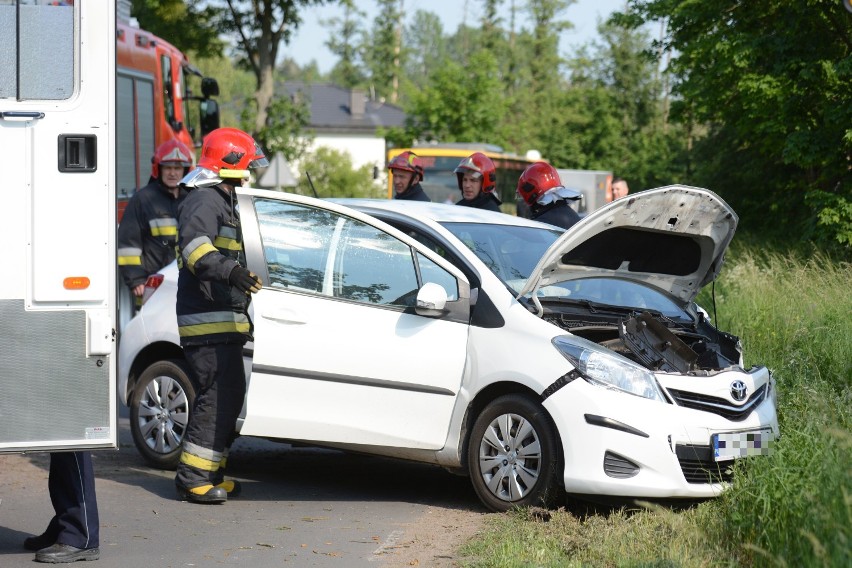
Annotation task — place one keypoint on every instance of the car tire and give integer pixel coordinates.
(159, 412)
(513, 455)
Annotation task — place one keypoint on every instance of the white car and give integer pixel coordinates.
(537, 362)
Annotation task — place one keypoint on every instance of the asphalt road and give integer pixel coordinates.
(299, 507)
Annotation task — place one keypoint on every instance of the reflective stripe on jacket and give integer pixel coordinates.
(147, 235)
(209, 309)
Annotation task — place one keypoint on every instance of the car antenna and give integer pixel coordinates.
(308, 175)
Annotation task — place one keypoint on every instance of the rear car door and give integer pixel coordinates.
(340, 354)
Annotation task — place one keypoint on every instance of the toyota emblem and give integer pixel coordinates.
(738, 391)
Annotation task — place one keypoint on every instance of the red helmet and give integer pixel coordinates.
(478, 165)
(536, 180)
(407, 162)
(226, 153)
(171, 152)
(230, 152)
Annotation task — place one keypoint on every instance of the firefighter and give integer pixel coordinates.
(147, 235)
(214, 291)
(477, 179)
(542, 190)
(407, 173)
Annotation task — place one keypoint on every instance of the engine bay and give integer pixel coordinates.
(651, 339)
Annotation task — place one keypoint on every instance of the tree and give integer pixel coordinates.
(333, 175)
(189, 25)
(261, 26)
(344, 42)
(770, 80)
(384, 54)
(460, 103)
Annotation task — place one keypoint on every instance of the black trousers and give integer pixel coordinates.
(72, 492)
(219, 379)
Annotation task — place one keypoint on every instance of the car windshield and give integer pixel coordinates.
(612, 292)
(510, 251)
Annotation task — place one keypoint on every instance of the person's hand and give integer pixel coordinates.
(244, 280)
(138, 290)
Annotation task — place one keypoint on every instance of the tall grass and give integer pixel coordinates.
(792, 508)
(793, 315)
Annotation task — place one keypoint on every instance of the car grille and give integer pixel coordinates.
(717, 405)
(698, 465)
(619, 467)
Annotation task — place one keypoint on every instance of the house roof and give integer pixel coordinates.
(335, 109)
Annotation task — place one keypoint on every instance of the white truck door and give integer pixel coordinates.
(57, 293)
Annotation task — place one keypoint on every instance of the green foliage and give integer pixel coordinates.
(284, 130)
(333, 175)
(771, 79)
(343, 41)
(189, 25)
(384, 56)
(794, 508)
(235, 87)
(458, 104)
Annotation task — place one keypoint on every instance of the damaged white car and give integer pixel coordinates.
(535, 361)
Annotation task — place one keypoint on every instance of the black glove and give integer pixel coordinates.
(244, 280)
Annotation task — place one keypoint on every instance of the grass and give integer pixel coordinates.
(790, 509)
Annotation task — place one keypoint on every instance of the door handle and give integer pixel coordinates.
(20, 115)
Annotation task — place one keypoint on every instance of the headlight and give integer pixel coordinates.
(604, 368)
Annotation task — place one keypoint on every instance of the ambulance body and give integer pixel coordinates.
(58, 277)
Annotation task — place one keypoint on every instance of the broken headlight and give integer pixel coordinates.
(604, 368)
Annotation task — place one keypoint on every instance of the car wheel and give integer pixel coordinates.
(159, 412)
(512, 454)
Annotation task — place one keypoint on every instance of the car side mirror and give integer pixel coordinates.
(431, 300)
(209, 87)
(209, 116)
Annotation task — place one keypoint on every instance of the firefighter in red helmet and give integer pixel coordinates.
(147, 234)
(549, 201)
(214, 292)
(407, 172)
(477, 178)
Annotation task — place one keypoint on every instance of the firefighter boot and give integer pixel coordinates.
(232, 487)
(202, 494)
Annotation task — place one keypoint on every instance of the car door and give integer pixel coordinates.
(340, 354)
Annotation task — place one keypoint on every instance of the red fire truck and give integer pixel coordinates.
(155, 103)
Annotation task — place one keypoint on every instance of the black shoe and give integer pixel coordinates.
(203, 494)
(62, 553)
(38, 542)
(232, 487)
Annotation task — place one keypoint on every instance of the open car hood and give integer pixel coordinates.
(673, 238)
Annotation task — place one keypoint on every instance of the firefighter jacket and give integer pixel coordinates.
(484, 200)
(413, 193)
(557, 213)
(209, 309)
(147, 235)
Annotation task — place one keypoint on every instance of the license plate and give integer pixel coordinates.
(733, 445)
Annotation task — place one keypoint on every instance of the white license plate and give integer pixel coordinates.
(733, 445)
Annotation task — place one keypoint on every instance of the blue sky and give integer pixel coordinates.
(309, 41)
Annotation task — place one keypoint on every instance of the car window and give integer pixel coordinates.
(296, 242)
(372, 266)
(317, 251)
(511, 252)
(431, 272)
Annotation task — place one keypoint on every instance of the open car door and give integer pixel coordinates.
(341, 354)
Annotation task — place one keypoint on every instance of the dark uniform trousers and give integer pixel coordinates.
(72, 492)
(220, 384)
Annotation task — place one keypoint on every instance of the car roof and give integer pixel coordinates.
(438, 212)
